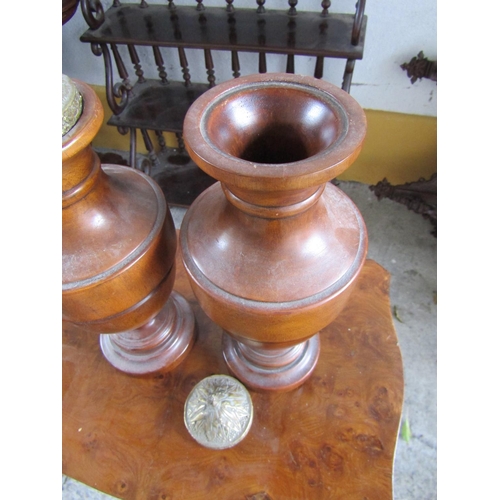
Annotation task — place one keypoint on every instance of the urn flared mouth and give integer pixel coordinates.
(275, 125)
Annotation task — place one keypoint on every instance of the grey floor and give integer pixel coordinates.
(401, 241)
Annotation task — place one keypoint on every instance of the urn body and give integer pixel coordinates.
(118, 255)
(273, 249)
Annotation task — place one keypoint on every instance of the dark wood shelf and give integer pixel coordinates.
(306, 33)
(160, 105)
(155, 105)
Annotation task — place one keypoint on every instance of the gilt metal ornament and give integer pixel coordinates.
(72, 104)
(218, 412)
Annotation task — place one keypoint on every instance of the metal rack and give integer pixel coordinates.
(155, 106)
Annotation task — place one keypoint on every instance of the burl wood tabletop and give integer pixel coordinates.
(332, 438)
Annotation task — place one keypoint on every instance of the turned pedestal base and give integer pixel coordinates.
(271, 368)
(333, 438)
(159, 345)
(273, 249)
(118, 255)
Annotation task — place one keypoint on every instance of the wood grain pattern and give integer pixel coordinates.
(118, 255)
(273, 249)
(334, 437)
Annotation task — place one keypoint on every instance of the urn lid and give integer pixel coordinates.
(218, 412)
(72, 104)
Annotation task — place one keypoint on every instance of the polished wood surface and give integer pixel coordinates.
(119, 241)
(334, 437)
(118, 255)
(273, 249)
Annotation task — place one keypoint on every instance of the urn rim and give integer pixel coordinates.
(325, 164)
(88, 124)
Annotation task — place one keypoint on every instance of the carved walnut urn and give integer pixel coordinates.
(273, 249)
(118, 255)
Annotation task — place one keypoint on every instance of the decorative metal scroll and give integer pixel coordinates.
(93, 13)
(124, 99)
(114, 91)
(358, 20)
(419, 196)
(420, 67)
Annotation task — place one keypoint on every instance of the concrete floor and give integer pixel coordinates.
(400, 241)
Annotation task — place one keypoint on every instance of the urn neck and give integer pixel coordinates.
(80, 173)
(81, 167)
(274, 204)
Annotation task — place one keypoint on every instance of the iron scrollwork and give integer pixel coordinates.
(358, 20)
(119, 90)
(420, 67)
(93, 13)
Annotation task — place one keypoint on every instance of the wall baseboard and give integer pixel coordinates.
(398, 147)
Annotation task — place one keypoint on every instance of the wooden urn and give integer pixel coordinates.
(118, 255)
(273, 250)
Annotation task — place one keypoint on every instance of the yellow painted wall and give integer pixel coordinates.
(399, 147)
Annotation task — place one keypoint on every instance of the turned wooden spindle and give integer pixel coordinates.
(119, 245)
(273, 249)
